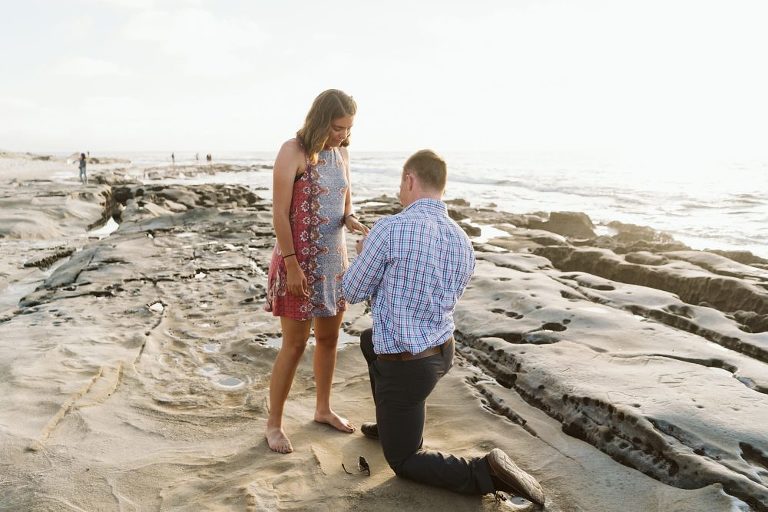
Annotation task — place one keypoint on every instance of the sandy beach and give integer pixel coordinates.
(625, 372)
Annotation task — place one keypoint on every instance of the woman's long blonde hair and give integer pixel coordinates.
(329, 105)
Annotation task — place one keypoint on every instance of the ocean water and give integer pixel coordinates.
(707, 205)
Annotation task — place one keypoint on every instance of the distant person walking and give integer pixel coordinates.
(173, 159)
(81, 163)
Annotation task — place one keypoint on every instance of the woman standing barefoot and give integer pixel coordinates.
(312, 203)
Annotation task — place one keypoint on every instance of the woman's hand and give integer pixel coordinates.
(354, 225)
(297, 281)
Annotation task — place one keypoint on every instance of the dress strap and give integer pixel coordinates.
(307, 163)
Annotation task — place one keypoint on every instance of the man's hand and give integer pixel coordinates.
(359, 245)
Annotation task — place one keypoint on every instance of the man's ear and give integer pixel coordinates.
(411, 181)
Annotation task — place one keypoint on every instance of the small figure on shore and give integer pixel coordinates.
(81, 164)
(173, 159)
(208, 157)
(414, 266)
(312, 204)
(197, 157)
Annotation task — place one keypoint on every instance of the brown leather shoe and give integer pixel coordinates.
(370, 430)
(509, 478)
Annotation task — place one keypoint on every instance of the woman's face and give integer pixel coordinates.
(340, 128)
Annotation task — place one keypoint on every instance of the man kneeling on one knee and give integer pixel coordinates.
(414, 267)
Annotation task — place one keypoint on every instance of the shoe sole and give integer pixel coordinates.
(504, 469)
(369, 434)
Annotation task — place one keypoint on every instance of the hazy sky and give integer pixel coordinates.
(655, 77)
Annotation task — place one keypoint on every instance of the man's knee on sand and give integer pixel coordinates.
(398, 466)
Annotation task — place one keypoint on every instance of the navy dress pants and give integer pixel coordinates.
(400, 390)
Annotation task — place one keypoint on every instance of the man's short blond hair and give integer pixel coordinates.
(429, 168)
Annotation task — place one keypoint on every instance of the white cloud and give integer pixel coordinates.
(113, 108)
(79, 27)
(87, 67)
(198, 41)
(143, 4)
(134, 4)
(16, 104)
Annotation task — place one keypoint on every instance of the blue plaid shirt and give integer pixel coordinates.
(414, 266)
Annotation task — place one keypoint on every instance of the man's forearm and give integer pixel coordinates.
(351, 286)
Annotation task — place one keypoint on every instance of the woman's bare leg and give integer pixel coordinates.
(326, 338)
(295, 336)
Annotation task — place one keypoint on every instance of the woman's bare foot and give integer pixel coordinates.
(277, 440)
(336, 421)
